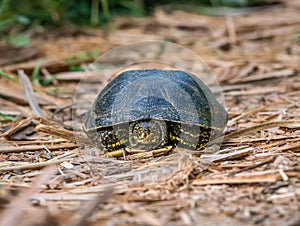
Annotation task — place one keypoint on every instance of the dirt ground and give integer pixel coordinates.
(48, 177)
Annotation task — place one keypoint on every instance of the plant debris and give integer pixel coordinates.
(54, 177)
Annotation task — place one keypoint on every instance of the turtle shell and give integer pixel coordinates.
(169, 95)
(175, 106)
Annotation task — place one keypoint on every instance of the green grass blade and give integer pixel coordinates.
(49, 80)
(7, 76)
(35, 76)
(6, 117)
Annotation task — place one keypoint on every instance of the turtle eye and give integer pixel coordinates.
(142, 130)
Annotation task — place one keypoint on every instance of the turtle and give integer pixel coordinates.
(152, 109)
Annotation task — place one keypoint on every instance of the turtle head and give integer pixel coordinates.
(147, 135)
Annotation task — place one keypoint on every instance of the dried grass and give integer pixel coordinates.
(252, 180)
